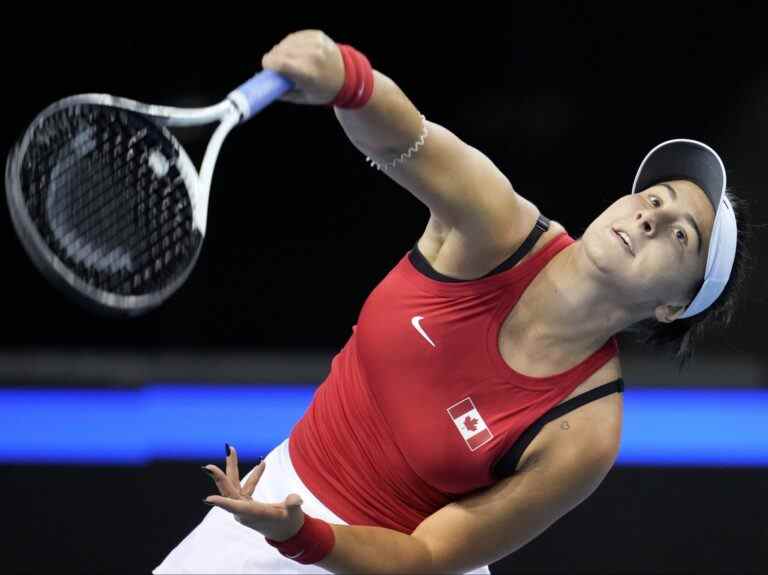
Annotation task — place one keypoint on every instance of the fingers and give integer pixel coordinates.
(232, 471)
(250, 509)
(237, 506)
(290, 67)
(228, 482)
(294, 96)
(250, 483)
(298, 46)
(223, 482)
(293, 501)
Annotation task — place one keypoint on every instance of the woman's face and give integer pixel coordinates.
(668, 227)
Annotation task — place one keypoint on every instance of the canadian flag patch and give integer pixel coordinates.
(470, 423)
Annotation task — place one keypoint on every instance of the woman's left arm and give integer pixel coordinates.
(463, 535)
(356, 549)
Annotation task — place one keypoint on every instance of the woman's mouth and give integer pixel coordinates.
(625, 240)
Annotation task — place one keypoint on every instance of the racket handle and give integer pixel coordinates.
(259, 92)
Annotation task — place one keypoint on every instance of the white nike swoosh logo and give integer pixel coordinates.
(299, 554)
(415, 323)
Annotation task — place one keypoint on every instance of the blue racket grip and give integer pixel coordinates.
(259, 92)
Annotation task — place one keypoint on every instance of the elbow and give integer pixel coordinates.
(415, 557)
(424, 561)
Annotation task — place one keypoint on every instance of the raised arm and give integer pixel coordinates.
(460, 185)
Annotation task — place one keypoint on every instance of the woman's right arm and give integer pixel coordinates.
(460, 185)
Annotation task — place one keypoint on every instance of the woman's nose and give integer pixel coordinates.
(648, 223)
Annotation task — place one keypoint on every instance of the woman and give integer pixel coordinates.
(478, 399)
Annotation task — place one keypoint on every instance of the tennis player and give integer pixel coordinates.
(478, 399)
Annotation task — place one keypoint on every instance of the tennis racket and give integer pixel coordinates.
(106, 201)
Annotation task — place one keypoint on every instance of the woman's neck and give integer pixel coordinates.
(574, 310)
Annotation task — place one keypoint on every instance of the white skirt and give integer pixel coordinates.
(222, 545)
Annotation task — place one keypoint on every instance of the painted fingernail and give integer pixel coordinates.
(208, 471)
(226, 447)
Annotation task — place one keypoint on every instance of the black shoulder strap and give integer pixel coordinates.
(420, 262)
(507, 463)
(542, 225)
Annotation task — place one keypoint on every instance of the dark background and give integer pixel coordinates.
(566, 99)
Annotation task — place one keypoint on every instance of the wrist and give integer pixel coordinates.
(358, 79)
(310, 544)
(282, 536)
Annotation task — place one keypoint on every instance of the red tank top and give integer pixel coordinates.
(419, 403)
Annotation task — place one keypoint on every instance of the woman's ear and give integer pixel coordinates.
(668, 313)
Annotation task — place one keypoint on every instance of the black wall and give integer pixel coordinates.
(567, 100)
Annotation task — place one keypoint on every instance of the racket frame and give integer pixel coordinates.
(240, 105)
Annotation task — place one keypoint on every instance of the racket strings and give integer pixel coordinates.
(120, 234)
(98, 202)
(161, 231)
(93, 179)
(161, 245)
(119, 170)
(159, 241)
(92, 199)
(105, 192)
(52, 134)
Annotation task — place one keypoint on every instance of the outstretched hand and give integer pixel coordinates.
(278, 521)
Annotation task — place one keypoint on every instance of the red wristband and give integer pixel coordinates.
(311, 544)
(358, 79)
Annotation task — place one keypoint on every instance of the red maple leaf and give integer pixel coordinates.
(470, 423)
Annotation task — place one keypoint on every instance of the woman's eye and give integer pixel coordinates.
(654, 198)
(681, 235)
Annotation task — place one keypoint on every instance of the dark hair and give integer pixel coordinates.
(680, 336)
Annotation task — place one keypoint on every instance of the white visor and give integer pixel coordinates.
(692, 160)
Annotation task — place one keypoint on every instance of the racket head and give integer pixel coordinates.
(107, 203)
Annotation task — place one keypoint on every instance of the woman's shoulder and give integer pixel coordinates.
(594, 425)
(456, 255)
(555, 229)
(608, 372)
